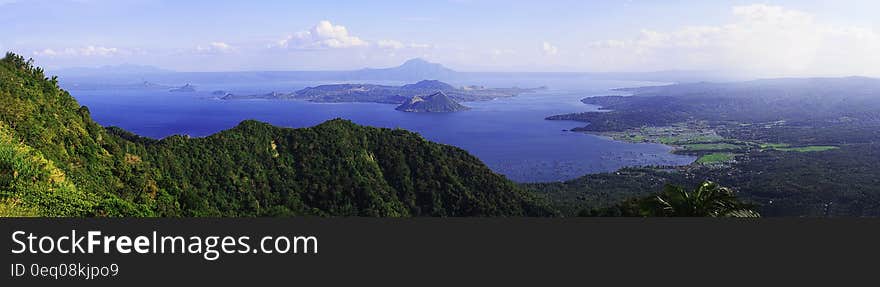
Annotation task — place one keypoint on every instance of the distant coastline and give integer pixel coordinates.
(388, 94)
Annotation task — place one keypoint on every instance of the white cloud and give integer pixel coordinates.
(418, 19)
(215, 48)
(419, 46)
(327, 36)
(501, 52)
(763, 40)
(324, 35)
(396, 45)
(46, 52)
(390, 44)
(83, 51)
(97, 51)
(608, 44)
(549, 49)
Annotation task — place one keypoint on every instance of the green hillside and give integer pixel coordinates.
(56, 161)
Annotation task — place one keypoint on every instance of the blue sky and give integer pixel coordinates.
(773, 38)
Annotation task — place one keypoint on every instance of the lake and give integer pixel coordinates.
(509, 135)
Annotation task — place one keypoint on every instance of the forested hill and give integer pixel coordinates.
(56, 161)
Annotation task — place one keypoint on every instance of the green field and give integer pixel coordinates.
(787, 147)
(716, 158)
(813, 148)
(669, 140)
(677, 134)
(674, 140)
(635, 138)
(712, 146)
(774, 145)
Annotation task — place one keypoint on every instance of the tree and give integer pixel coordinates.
(707, 200)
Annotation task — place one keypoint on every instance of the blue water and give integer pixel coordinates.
(509, 135)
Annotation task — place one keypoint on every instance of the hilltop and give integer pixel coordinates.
(434, 103)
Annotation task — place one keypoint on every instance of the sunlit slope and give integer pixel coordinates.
(255, 169)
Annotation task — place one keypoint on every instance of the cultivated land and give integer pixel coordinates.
(698, 138)
(794, 147)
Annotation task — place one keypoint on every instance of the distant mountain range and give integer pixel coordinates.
(792, 100)
(114, 70)
(410, 71)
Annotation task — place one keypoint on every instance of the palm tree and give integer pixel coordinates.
(707, 200)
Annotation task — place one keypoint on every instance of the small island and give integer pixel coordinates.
(435, 103)
(151, 85)
(266, 96)
(183, 89)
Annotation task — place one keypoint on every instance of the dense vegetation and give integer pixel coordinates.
(840, 182)
(45, 129)
(597, 191)
(708, 200)
(32, 185)
(56, 161)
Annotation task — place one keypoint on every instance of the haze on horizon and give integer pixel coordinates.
(762, 39)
